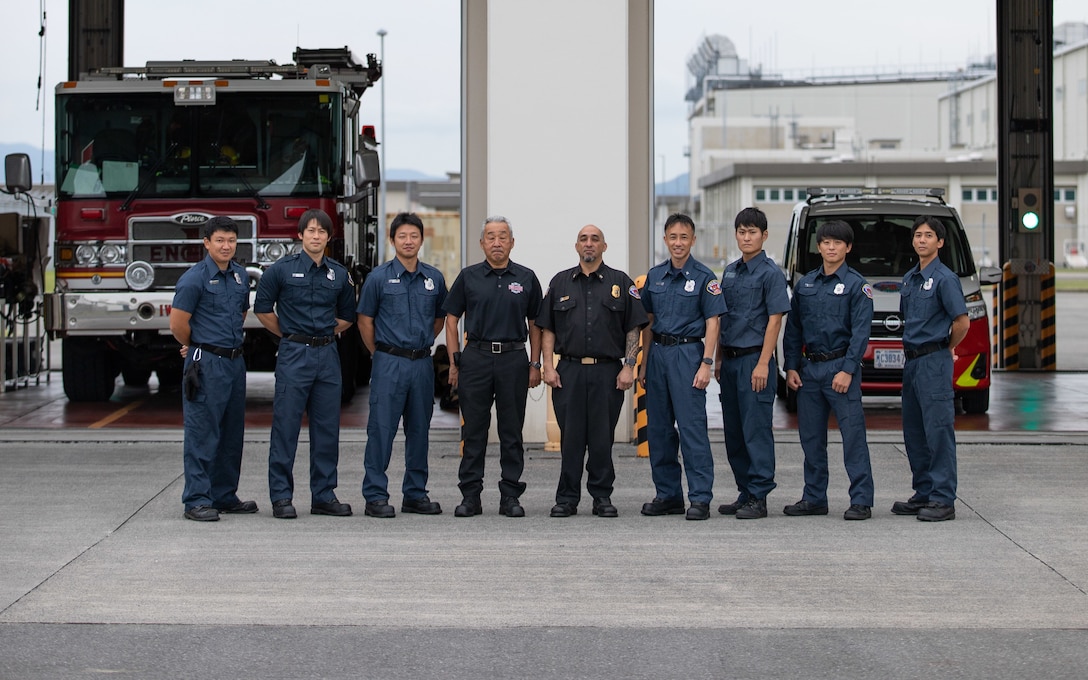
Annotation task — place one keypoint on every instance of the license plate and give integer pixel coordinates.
(888, 358)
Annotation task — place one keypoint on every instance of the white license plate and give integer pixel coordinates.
(888, 358)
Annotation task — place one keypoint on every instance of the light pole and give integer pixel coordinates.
(382, 174)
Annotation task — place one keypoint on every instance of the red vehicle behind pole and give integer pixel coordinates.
(146, 155)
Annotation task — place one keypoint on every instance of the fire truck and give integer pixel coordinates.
(146, 155)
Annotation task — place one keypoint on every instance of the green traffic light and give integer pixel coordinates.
(1030, 220)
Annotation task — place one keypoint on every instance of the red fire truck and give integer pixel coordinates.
(146, 155)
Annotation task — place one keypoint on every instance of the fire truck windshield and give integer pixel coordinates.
(285, 144)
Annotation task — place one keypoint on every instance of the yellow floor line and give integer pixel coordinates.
(116, 415)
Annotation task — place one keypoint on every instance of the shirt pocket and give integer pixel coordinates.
(394, 304)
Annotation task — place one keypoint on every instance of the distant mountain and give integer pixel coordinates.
(35, 160)
(677, 186)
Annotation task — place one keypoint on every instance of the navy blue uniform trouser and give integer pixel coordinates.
(815, 401)
(929, 415)
(747, 417)
(587, 408)
(399, 386)
(676, 420)
(503, 380)
(214, 431)
(307, 381)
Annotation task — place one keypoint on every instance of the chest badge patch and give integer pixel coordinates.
(515, 288)
(616, 292)
(839, 289)
(429, 284)
(928, 284)
(564, 298)
(689, 286)
(330, 274)
(238, 278)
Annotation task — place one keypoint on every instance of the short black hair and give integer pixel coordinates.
(933, 223)
(835, 230)
(679, 218)
(322, 217)
(751, 217)
(218, 223)
(409, 218)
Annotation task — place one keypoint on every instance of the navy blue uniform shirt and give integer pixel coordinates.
(929, 300)
(403, 304)
(218, 301)
(591, 315)
(753, 291)
(495, 302)
(681, 300)
(306, 297)
(829, 313)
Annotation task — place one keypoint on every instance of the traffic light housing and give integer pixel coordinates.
(1030, 203)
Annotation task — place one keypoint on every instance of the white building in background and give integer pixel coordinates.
(760, 139)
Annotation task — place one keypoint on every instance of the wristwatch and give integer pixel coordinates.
(628, 361)
(708, 361)
(535, 364)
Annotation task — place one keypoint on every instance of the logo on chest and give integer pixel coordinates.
(515, 288)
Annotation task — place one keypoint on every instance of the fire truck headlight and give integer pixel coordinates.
(275, 251)
(86, 254)
(139, 276)
(111, 254)
(296, 249)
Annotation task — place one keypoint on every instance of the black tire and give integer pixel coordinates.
(135, 376)
(88, 369)
(975, 401)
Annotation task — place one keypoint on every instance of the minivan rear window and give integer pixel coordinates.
(882, 245)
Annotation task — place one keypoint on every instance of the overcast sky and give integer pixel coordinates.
(422, 52)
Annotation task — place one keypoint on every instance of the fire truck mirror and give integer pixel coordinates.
(17, 173)
(367, 169)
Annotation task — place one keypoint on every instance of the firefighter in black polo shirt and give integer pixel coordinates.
(500, 301)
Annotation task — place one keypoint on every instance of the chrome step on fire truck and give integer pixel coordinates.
(146, 155)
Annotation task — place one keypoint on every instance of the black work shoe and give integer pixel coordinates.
(731, 508)
(333, 507)
(202, 513)
(421, 506)
(803, 507)
(564, 509)
(661, 506)
(379, 509)
(511, 507)
(856, 511)
(698, 511)
(282, 509)
(755, 508)
(909, 507)
(470, 506)
(602, 507)
(239, 508)
(937, 512)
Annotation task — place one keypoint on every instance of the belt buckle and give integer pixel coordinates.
(588, 361)
(496, 348)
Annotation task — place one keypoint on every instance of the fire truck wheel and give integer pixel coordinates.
(88, 368)
(976, 401)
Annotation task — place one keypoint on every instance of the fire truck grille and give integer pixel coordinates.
(173, 244)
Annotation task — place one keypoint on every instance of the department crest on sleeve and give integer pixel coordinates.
(713, 287)
(868, 290)
(633, 292)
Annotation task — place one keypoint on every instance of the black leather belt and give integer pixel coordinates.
(225, 352)
(922, 350)
(825, 356)
(669, 340)
(588, 361)
(496, 347)
(412, 354)
(311, 340)
(734, 352)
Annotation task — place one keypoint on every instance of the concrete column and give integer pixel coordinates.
(557, 126)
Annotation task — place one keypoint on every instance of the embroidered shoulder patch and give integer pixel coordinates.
(868, 290)
(633, 292)
(713, 287)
